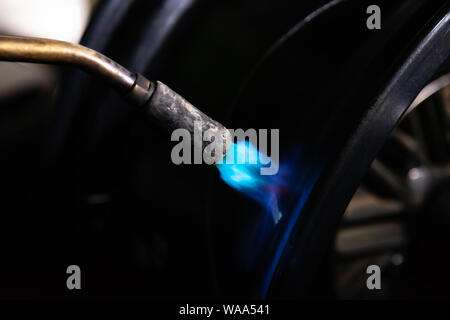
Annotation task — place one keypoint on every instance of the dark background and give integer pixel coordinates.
(87, 180)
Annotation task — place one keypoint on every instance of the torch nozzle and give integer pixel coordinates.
(159, 101)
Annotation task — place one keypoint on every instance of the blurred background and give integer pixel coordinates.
(46, 19)
(27, 93)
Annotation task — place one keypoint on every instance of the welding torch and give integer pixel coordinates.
(156, 99)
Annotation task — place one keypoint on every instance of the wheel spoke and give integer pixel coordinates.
(366, 207)
(435, 127)
(360, 241)
(444, 97)
(389, 180)
(443, 100)
(417, 129)
(409, 145)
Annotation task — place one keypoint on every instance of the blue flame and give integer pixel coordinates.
(243, 173)
(265, 239)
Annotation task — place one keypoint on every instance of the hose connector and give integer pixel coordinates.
(141, 91)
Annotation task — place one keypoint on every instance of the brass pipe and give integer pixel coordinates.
(35, 50)
(157, 100)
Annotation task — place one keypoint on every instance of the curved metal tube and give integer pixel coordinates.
(59, 52)
(168, 107)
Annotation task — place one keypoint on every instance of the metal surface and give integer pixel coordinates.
(429, 90)
(59, 52)
(172, 110)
